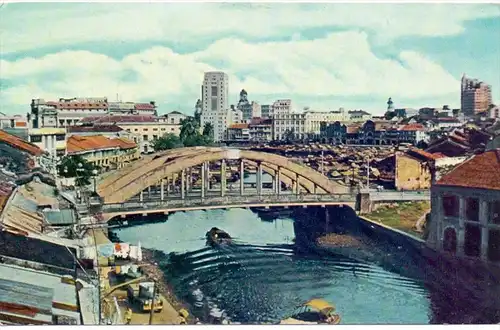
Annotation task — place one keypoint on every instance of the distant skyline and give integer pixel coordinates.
(324, 56)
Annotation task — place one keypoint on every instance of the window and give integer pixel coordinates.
(450, 240)
(60, 137)
(450, 206)
(136, 129)
(472, 209)
(172, 121)
(155, 137)
(145, 137)
(128, 130)
(144, 129)
(36, 138)
(155, 129)
(494, 245)
(494, 208)
(214, 91)
(472, 243)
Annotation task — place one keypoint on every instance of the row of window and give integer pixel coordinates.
(38, 138)
(451, 208)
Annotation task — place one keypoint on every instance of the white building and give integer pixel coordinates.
(313, 119)
(359, 116)
(44, 132)
(215, 109)
(280, 107)
(289, 123)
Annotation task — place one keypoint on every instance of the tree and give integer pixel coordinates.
(189, 127)
(289, 135)
(167, 141)
(208, 130)
(69, 168)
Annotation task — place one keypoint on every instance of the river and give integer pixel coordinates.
(261, 278)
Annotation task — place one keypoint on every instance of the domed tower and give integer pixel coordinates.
(390, 104)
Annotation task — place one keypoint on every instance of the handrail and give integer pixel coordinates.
(246, 199)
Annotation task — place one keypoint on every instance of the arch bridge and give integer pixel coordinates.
(198, 177)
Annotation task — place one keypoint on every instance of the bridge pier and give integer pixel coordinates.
(259, 178)
(223, 177)
(207, 176)
(242, 177)
(297, 184)
(188, 179)
(162, 190)
(278, 181)
(202, 175)
(183, 184)
(141, 196)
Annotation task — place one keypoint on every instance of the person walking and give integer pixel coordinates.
(128, 315)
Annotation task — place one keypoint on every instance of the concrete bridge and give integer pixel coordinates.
(197, 178)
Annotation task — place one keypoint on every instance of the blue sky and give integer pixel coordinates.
(324, 56)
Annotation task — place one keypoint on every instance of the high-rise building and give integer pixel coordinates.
(475, 96)
(215, 109)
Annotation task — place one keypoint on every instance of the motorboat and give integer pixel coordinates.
(216, 237)
(315, 311)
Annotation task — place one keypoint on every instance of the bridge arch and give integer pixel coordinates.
(141, 176)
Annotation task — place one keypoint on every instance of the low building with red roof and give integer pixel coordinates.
(104, 152)
(465, 216)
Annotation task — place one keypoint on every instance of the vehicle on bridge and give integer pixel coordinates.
(141, 294)
(217, 237)
(315, 311)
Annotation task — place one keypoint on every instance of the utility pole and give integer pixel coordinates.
(322, 166)
(151, 312)
(368, 174)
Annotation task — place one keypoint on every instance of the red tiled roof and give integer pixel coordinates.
(19, 143)
(95, 128)
(482, 171)
(423, 153)
(119, 119)
(238, 126)
(144, 106)
(77, 144)
(412, 127)
(261, 121)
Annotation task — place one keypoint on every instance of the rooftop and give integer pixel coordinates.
(238, 126)
(412, 127)
(481, 171)
(144, 106)
(95, 128)
(19, 143)
(76, 144)
(114, 119)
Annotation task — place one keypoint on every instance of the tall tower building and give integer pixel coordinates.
(215, 109)
(475, 96)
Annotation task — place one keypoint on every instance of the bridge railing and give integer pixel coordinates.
(228, 200)
(400, 195)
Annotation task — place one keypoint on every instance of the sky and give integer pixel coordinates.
(324, 56)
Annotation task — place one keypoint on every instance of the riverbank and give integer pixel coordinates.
(151, 268)
(408, 217)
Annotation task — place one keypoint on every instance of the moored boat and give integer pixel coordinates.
(315, 311)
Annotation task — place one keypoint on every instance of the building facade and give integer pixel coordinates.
(238, 133)
(215, 107)
(281, 107)
(475, 96)
(266, 111)
(104, 152)
(289, 126)
(359, 116)
(313, 120)
(465, 216)
(261, 130)
(44, 131)
(145, 129)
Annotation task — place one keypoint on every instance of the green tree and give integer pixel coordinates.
(70, 168)
(189, 128)
(167, 141)
(208, 131)
(289, 135)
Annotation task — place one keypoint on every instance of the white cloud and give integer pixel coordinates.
(27, 27)
(339, 65)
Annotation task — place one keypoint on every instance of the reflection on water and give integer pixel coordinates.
(261, 278)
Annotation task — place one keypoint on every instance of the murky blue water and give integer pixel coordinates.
(262, 279)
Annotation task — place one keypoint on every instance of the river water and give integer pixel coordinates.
(261, 278)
